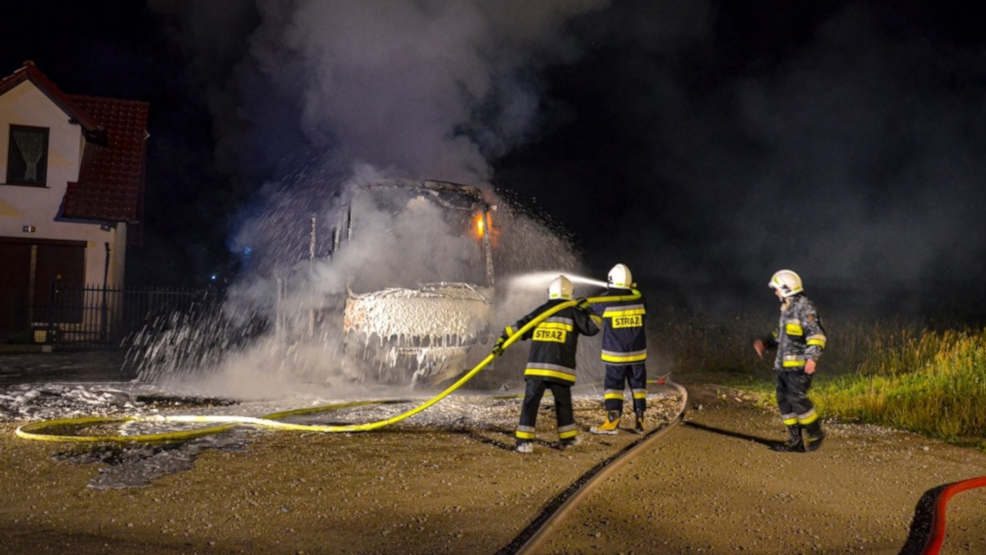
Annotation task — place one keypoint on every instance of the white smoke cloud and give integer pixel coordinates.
(354, 92)
(281, 326)
(426, 88)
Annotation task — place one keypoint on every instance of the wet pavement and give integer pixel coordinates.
(63, 366)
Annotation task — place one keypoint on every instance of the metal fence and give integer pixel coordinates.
(98, 316)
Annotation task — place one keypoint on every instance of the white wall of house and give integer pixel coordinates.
(22, 206)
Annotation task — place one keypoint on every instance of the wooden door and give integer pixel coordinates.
(14, 285)
(66, 265)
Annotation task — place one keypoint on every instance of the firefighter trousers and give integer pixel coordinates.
(792, 398)
(532, 401)
(617, 378)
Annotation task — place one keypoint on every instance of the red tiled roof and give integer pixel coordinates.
(111, 179)
(30, 72)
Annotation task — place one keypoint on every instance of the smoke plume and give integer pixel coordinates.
(425, 89)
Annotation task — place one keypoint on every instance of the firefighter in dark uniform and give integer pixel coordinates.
(799, 340)
(624, 350)
(551, 363)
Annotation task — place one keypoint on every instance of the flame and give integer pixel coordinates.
(480, 225)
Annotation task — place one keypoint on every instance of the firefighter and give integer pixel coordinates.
(624, 350)
(799, 340)
(551, 363)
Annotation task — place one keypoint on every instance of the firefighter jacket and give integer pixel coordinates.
(799, 335)
(554, 341)
(623, 323)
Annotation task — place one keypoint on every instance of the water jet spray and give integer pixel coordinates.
(540, 280)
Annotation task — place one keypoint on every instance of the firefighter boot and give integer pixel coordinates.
(525, 447)
(814, 436)
(794, 444)
(570, 442)
(638, 425)
(609, 426)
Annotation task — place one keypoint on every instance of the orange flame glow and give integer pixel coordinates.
(481, 226)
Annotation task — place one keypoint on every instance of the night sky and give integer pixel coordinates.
(705, 144)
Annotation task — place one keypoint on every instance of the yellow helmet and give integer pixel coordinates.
(560, 288)
(788, 282)
(619, 277)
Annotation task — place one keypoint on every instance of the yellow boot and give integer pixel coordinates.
(609, 427)
(638, 425)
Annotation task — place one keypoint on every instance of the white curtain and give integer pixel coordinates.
(31, 145)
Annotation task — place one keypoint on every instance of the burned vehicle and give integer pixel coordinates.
(419, 263)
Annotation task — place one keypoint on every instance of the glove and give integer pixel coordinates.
(498, 348)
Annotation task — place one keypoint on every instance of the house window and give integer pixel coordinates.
(27, 156)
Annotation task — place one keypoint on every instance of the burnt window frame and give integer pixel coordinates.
(13, 151)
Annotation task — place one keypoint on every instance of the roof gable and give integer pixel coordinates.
(30, 72)
(111, 176)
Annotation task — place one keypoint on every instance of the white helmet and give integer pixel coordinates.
(787, 282)
(560, 288)
(619, 277)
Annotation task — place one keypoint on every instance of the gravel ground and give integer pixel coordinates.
(451, 485)
(711, 485)
(411, 488)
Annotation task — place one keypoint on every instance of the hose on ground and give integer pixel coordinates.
(937, 536)
(532, 538)
(40, 431)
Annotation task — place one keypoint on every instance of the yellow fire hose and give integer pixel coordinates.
(39, 430)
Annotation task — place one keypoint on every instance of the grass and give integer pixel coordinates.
(932, 383)
(891, 372)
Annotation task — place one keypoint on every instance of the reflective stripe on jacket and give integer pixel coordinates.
(799, 335)
(554, 341)
(624, 333)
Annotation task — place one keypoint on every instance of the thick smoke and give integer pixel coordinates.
(329, 95)
(426, 89)
(282, 323)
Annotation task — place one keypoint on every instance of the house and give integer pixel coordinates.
(71, 194)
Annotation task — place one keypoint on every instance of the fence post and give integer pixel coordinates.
(130, 308)
(311, 265)
(51, 309)
(102, 313)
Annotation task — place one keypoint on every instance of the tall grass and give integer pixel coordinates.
(933, 383)
(889, 372)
